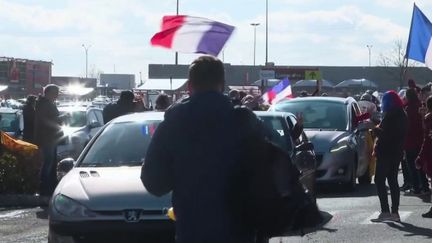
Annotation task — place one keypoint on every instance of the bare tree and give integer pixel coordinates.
(395, 57)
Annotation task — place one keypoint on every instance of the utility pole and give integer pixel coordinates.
(266, 58)
(86, 48)
(255, 25)
(370, 52)
(177, 13)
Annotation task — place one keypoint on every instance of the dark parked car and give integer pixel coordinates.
(339, 138)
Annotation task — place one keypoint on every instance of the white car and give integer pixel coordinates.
(103, 196)
(80, 124)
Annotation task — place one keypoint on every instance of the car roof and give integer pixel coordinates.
(68, 108)
(8, 110)
(273, 113)
(140, 116)
(321, 98)
(159, 116)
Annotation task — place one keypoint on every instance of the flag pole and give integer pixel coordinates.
(405, 64)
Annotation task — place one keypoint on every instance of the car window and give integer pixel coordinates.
(277, 132)
(9, 122)
(357, 109)
(74, 118)
(99, 116)
(91, 117)
(293, 122)
(326, 115)
(109, 149)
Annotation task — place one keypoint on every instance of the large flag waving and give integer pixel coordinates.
(419, 46)
(279, 92)
(192, 34)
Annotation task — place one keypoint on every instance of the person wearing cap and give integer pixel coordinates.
(47, 135)
(388, 149)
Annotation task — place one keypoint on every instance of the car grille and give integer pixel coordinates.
(143, 212)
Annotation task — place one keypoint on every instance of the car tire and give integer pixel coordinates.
(365, 179)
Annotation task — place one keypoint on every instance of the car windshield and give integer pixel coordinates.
(277, 131)
(74, 118)
(325, 115)
(9, 122)
(121, 144)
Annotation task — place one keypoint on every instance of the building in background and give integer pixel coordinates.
(118, 81)
(65, 81)
(23, 76)
(241, 75)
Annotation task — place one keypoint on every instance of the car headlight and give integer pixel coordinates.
(341, 145)
(68, 207)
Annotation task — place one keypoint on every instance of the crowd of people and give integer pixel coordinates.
(200, 178)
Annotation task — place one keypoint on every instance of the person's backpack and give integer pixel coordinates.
(274, 201)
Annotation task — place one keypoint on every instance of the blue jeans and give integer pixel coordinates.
(48, 173)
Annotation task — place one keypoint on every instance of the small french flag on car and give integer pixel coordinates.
(279, 92)
(192, 35)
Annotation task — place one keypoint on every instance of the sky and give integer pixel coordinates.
(307, 32)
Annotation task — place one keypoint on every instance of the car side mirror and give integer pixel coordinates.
(307, 146)
(94, 124)
(64, 166)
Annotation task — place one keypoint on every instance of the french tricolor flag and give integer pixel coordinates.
(419, 46)
(192, 35)
(279, 92)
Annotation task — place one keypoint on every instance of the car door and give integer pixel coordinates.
(359, 134)
(94, 121)
(304, 156)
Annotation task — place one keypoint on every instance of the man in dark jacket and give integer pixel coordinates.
(47, 135)
(389, 152)
(123, 106)
(29, 113)
(194, 154)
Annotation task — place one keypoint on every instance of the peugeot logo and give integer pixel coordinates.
(132, 216)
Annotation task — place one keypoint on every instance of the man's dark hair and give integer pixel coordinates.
(429, 103)
(51, 88)
(206, 73)
(126, 97)
(162, 102)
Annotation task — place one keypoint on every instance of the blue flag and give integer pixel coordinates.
(419, 44)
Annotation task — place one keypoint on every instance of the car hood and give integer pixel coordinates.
(110, 189)
(324, 140)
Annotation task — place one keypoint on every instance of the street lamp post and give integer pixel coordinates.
(255, 25)
(266, 58)
(370, 51)
(177, 13)
(86, 48)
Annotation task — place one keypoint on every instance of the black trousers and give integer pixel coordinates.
(419, 180)
(387, 169)
(406, 173)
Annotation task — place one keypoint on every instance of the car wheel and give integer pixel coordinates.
(365, 179)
